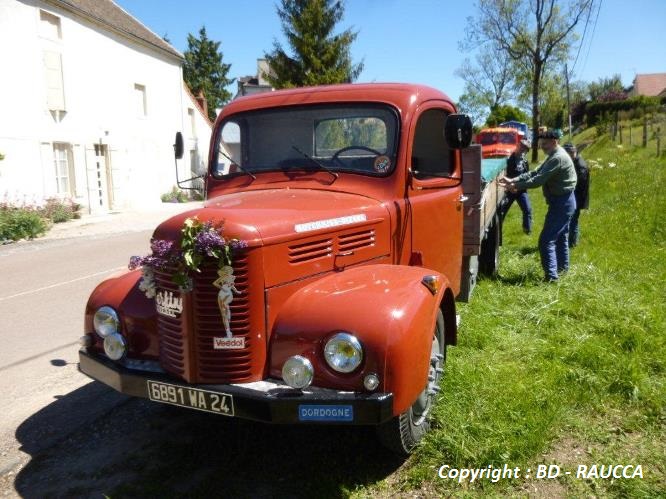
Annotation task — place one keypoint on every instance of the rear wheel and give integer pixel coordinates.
(403, 433)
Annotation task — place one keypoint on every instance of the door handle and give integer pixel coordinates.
(463, 198)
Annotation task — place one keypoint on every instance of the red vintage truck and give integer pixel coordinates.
(317, 283)
(498, 142)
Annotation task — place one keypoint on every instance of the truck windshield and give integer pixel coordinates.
(349, 138)
(497, 138)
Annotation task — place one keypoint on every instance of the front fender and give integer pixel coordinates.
(138, 317)
(387, 307)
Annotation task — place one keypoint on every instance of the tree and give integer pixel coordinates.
(505, 112)
(489, 83)
(605, 86)
(205, 72)
(534, 33)
(318, 56)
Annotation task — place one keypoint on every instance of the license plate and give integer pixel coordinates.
(325, 412)
(192, 398)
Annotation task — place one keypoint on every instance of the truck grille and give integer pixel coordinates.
(186, 342)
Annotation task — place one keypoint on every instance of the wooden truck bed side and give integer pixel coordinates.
(484, 197)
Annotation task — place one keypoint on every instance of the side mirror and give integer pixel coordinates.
(178, 146)
(458, 131)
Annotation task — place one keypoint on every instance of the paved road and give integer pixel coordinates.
(45, 285)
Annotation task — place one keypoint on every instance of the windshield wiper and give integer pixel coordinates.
(318, 163)
(240, 169)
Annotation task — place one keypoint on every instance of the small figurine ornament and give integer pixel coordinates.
(226, 295)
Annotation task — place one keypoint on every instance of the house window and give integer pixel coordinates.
(49, 26)
(193, 127)
(64, 169)
(55, 93)
(431, 156)
(140, 102)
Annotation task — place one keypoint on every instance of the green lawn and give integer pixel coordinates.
(570, 373)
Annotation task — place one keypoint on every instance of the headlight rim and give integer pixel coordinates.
(356, 345)
(113, 314)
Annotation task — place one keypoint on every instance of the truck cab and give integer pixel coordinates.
(330, 297)
(498, 142)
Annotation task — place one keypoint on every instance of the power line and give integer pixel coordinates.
(582, 40)
(594, 28)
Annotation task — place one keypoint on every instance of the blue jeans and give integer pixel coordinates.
(574, 231)
(524, 202)
(553, 240)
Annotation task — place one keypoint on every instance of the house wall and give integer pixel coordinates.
(118, 157)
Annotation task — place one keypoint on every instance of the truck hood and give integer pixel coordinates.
(270, 216)
(302, 232)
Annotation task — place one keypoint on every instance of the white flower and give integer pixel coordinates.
(611, 165)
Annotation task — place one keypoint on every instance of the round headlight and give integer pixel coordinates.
(297, 372)
(115, 346)
(106, 321)
(343, 352)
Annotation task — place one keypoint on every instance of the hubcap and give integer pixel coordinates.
(423, 403)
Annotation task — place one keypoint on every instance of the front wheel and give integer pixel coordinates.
(403, 433)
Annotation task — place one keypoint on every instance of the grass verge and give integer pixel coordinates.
(568, 374)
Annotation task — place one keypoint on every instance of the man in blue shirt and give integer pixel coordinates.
(557, 178)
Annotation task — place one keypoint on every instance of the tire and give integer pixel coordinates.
(404, 432)
(468, 275)
(489, 257)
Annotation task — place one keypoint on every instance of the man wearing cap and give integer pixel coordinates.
(582, 191)
(516, 165)
(557, 178)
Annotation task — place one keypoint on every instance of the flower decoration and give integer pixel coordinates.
(199, 241)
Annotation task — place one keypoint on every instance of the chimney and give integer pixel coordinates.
(201, 100)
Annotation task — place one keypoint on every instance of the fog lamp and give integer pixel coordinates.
(297, 372)
(115, 346)
(106, 321)
(343, 352)
(371, 382)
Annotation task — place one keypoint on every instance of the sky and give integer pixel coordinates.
(409, 40)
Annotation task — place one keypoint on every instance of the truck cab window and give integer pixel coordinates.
(355, 138)
(431, 155)
(229, 149)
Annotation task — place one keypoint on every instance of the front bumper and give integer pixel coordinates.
(269, 401)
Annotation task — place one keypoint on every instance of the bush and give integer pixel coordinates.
(60, 210)
(20, 223)
(175, 196)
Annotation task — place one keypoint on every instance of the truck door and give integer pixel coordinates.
(435, 195)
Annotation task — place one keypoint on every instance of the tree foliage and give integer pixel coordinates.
(534, 33)
(490, 82)
(505, 112)
(603, 87)
(205, 72)
(318, 56)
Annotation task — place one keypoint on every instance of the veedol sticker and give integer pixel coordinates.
(235, 343)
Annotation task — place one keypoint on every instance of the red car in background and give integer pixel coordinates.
(498, 142)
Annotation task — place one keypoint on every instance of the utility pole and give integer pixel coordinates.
(566, 77)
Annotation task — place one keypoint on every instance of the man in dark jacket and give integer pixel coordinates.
(516, 165)
(582, 191)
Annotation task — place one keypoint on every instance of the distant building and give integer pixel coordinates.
(91, 100)
(650, 85)
(248, 85)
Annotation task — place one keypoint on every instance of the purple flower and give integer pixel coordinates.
(237, 245)
(135, 262)
(207, 241)
(160, 247)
